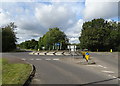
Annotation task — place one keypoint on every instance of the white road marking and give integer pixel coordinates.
(107, 71)
(47, 59)
(23, 59)
(38, 59)
(97, 66)
(92, 65)
(114, 76)
(56, 59)
(102, 66)
(36, 79)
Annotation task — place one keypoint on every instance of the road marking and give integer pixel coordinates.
(38, 59)
(101, 66)
(36, 79)
(92, 65)
(56, 59)
(107, 71)
(47, 59)
(114, 76)
(104, 67)
(23, 59)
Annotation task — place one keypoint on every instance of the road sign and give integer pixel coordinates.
(58, 44)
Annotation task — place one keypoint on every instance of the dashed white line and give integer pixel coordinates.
(47, 59)
(56, 59)
(38, 59)
(114, 76)
(102, 66)
(107, 71)
(23, 59)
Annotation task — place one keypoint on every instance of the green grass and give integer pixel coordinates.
(14, 73)
(0, 71)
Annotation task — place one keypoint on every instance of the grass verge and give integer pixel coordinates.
(13, 73)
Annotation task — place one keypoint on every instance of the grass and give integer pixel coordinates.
(14, 73)
(0, 71)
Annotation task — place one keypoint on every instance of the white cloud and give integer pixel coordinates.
(34, 20)
(4, 18)
(55, 15)
(74, 32)
(100, 9)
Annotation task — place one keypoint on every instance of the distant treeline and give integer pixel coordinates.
(97, 34)
(48, 41)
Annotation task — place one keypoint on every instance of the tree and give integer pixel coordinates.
(8, 37)
(100, 34)
(29, 44)
(54, 35)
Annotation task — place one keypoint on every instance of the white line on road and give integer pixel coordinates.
(92, 65)
(23, 59)
(114, 76)
(38, 59)
(56, 59)
(107, 71)
(97, 66)
(47, 59)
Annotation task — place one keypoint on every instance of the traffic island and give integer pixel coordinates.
(84, 62)
(15, 72)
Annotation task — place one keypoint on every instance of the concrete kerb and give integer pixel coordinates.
(32, 74)
(50, 53)
(59, 53)
(66, 54)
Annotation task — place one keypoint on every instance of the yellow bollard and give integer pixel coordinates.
(111, 50)
(97, 50)
(87, 56)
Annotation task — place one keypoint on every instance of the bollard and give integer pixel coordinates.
(97, 50)
(87, 56)
(111, 50)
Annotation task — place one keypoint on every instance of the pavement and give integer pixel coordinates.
(67, 70)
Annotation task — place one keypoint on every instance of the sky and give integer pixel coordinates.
(34, 17)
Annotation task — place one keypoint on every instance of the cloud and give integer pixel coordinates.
(74, 32)
(4, 18)
(50, 16)
(34, 19)
(100, 9)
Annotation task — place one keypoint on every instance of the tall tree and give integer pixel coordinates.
(100, 34)
(29, 44)
(8, 37)
(54, 35)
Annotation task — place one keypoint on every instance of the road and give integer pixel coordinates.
(53, 70)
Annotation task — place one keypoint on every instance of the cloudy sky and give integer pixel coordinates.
(35, 17)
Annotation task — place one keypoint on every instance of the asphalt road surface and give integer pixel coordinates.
(53, 70)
